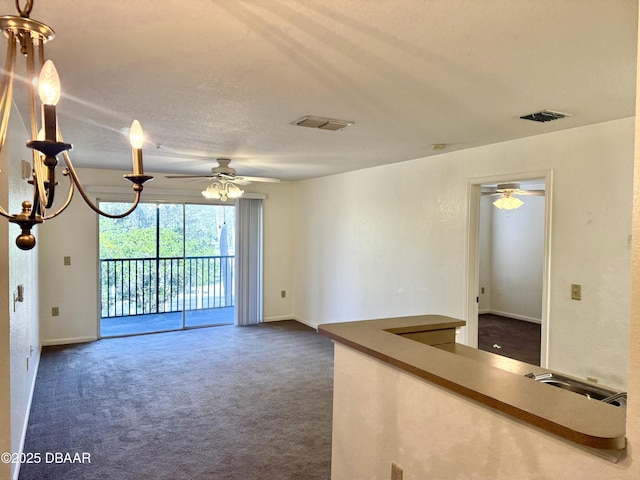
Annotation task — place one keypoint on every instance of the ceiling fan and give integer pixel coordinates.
(224, 181)
(224, 173)
(506, 192)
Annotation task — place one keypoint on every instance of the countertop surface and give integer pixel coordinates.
(490, 379)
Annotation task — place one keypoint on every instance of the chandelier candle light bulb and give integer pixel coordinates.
(49, 91)
(136, 138)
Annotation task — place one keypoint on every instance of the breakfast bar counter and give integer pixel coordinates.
(425, 346)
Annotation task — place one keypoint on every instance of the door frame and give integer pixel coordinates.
(469, 334)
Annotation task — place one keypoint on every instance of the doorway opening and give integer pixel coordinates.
(167, 266)
(508, 266)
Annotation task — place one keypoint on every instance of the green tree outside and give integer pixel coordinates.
(156, 233)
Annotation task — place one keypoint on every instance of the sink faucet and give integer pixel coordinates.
(620, 398)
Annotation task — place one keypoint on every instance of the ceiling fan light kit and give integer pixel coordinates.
(47, 142)
(222, 190)
(224, 181)
(507, 200)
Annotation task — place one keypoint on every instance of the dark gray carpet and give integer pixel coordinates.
(509, 337)
(218, 403)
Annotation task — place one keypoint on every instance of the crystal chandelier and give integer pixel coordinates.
(47, 142)
(222, 190)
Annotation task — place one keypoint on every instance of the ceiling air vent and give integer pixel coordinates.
(545, 116)
(321, 123)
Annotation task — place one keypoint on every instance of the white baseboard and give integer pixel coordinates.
(291, 317)
(515, 316)
(306, 322)
(68, 341)
(278, 318)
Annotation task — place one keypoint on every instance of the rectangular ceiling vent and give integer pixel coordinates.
(545, 116)
(321, 123)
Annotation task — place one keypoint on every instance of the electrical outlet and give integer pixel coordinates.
(67, 261)
(576, 291)
(55, 311)
(396, 472)
(283, 293)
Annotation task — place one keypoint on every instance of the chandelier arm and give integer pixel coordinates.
(39, 185)
(35, 206)
(76, 180)
(26, 11)
(33, 106)
(4, 213)
(67, 202)
(7, 87)
(6, 96)
(40, 52)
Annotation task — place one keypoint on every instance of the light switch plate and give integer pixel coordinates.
(576, 291)
(25, 169)
(396, 472)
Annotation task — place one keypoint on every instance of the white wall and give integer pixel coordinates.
(370, 248)
(425, 429)
(5, 324)
(514, 269)
(74, 234)
(19, 333)
(384, 415)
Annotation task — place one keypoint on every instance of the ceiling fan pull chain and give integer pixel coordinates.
(26, 11)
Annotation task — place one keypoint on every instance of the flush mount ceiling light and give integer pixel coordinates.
(47, 142)
(222, 190)
(321, 123)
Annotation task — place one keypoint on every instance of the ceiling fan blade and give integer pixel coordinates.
(189, 176)
(261, 179)
(530, 192)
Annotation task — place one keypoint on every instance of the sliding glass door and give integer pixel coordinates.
(209, 264)
(166, 267)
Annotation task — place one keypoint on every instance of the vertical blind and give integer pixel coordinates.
(249, 261)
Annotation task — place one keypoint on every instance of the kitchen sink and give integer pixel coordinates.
(588, 389)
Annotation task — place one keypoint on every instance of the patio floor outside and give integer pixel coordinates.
(149, 323)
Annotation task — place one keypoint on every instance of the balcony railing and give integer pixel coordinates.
(139, 286)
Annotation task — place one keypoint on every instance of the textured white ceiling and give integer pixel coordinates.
(225, 78)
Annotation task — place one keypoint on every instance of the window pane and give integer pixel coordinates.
(209, 230)
(131, 237)
(171, 230)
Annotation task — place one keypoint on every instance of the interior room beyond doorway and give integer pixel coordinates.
(511, 263)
